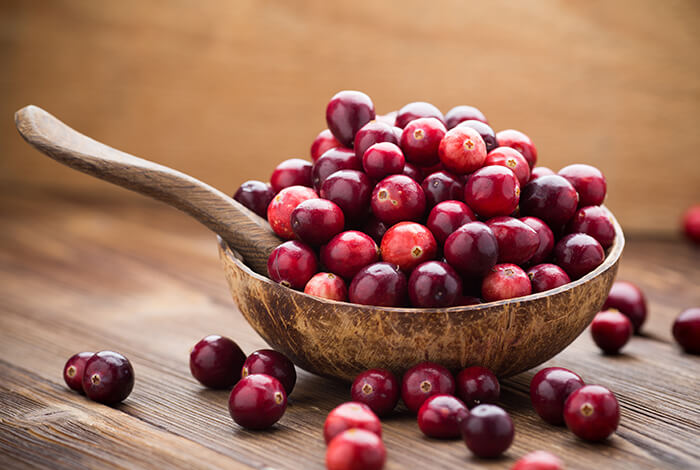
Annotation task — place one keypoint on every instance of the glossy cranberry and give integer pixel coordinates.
(412, 171)
(255, 195)
(375, 228)
(73, 370)
(388, 118)
(292, 172)
(488, 431)
(351, 190)
(462, 150)
(397, 198)
(323, 142)
(628, 299)
(383, 159)
(691, 224)
(272, 363)
(460, 114)
(492, 190)
(442, 186)
(417, 110)
(517, 241)
(423, 381)
(472, 249)
(686, 330)
(434, 284)
(611, 330)
(257, 401)
(316, 221)
(378, 389)
(545, 237)
(333, 160)
(108, 377)
(505, 281)
(292, 264)
(540, 171)
(381, 284)
(578, 254)
(216, 362)
(511, 159)
(520, 142)
(348, 252)
(374, 132)
(594, 221)
(477, 385)
(356, 449)
(448, 216)
(538, 460)
(327, 286)
(549, 389)
(350, 415)
(347, 112)
(279, 212)
(592, 413)
(544, 277)
(439, 416)
(420, 141)
(408, 244)
(550, 198)
(484, 131)
(588, 181)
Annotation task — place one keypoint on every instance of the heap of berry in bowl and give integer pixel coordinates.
(417, 236)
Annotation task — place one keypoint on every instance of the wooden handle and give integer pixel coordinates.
(243, 230)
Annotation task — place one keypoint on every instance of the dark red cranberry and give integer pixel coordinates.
(408, 244)
(488, 431)
(323, 142)
(691, 224)
(686, 330)
(472, 249)
(348, 252)
(381, 284)
(383, 159)
(492, 190)
(412, 171)
(549, 389)
(517, 241)
(588, 181)
(434, 284)
(550, 198)
(388, 118)
(594, 221)
(333, 160)
(462, 150)
(73, 370)
(520, 142)
(420, 141)
(545, 236)
(544, 277)
(351, 190)
(292, 264)
(327, 286)
(397, 198)
(356, 449)
(628, 299)
(347, 112)
(216, 362)
(439, 416)
(350, 415)
(611, 330)
(448, 216)
(255, 195)
(505, 281)
(272, 363)
(441, 186)
(279, 212)
(374, 132)
(484, 131)
(477, 385)
(378, 389)
(417, 110)
(316, 221)
(375, 228)
(292, 172)
(540, 171)
(108, 377)
(429, 170)
(578, 254)
(423, 381)
(511, 159)
(538, 460)
(257, 401)
(592, 413)
(460, 114)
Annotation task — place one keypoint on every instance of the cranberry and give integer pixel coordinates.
(323, 142)
(378, 389)
(628, 299)
(108, 377)
(592, 413)
(691, 224)
(420, 141)
(472, 249)
(549, 389)
(462, 150)
(412, 171)
(434, 284)
(381, 284)
(397, 198)
(316, 221)
(484, 131)
(460, 114)
(216, 362)
(439, 416)
(417, 110)
(441, 186)
(538, 460)
(578, 254)
(73, 370)
(356, 449)
(388, 118)
(611, 330)
(383, 159)
(488, 431)
(540, 171)
(255, 195)
(292, 264)
(550, 198)
(545, 236)
(477, 385)
(544, 277)
(333, 160)
(408, 244)
(511, 159)
(347, 112)
(588, 181)
(596, 222)
(372, 133)
(292, 172)
(517, 241)
(492, 190)
(505, 281)
(448, 216)
(272, 363)
(375, 228)
(424, 380)
(686, 330)
(348, 252)
(279, 212)
(351, 190)
(350, 415)
(257, 401)
(520, 142)
(327, 286)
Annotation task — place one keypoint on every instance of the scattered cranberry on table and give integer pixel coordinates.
(628, 299)
(377, 388)
(477, 385)
(292, 264)
(73, 370)
(255, 195)
(592, 413)
(487, 431)
(216, 362)
(257, 401)
(350, 415)
(108, 378)
(549, 390)
(611, 330)
(686, 330)
(538, 460)
(272, 363)
(356, 449)
(439, 416)
(424, 380)
(691, 224)
(327, 286)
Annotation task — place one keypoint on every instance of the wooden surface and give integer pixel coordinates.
(225, 90)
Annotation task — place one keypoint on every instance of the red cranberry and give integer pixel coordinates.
(351, 190)
(417, 110)
(255, 195)
(686, 330)
(628, 299)
(505, 281)
(350, 415)
(372, 133)
(596, 222)
(257, 401)
(375, 228)
(477, 385)
(388, 118)
(434, 284)
(540, 171)
(378, 389)
(323, 142)
(108, 377)
(292, 264)
(216, 362)
(460, 114)
(316, 221)
(420, 141)
(472, 249)
(538, 460)
(462, 150)
(488, 431)
(448, 216)
(545, 236)
(292, 172)
(588, 181)
(691, 224)
(383, 159)
(412, 171)
(348, 252)
(550, 198)
(272, 363)
(439, 416)
(408, 244)
(73, 370)
(356, 449)
(520, 142)
(347, 112)
(544, 277)
(549, 389)
(484, 131)
(441, 186)
(592, 413)
(578, 254)
(423, 381)
(492, 190)
(381, 284)
(517, 241)
(397, 198)
(611, 330)
(327, 286)
(333, 160)
(279, 212)
(511, 159)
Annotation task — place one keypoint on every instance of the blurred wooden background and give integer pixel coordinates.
(225, 89)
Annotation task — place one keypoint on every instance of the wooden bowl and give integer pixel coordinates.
(339, 339)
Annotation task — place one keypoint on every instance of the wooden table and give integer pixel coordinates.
(144, 280)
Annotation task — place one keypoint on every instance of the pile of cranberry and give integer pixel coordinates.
(416, 208)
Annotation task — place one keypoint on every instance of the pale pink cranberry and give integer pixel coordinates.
(327, 286)
(462, 150)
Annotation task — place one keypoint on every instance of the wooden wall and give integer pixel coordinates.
(225, 89)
